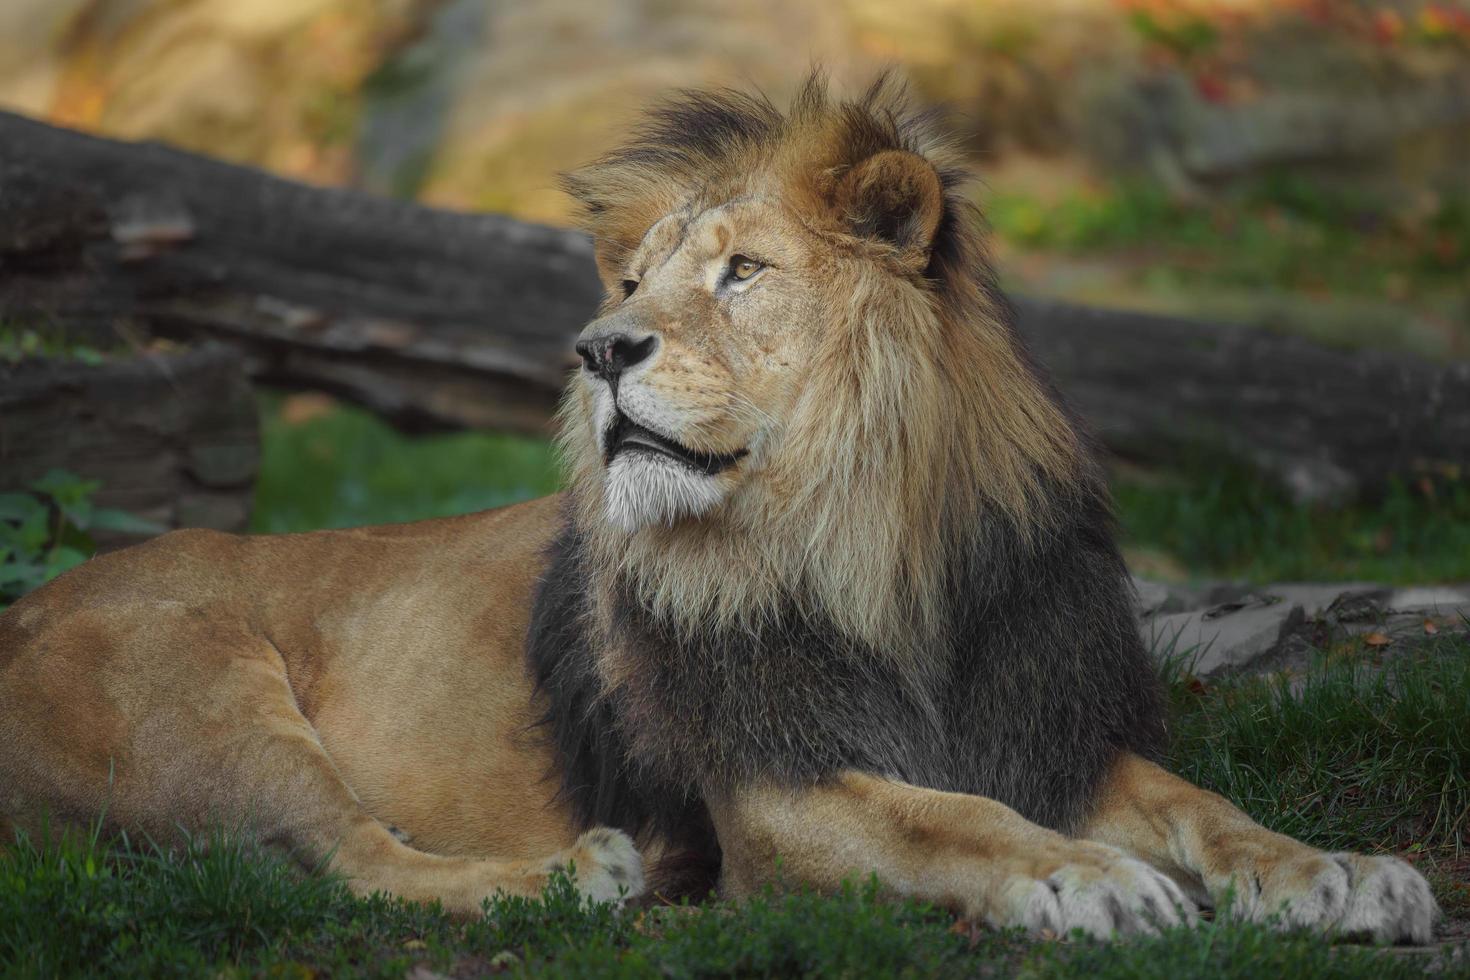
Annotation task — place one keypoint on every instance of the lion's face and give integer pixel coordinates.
(800, 391)
(689, 376)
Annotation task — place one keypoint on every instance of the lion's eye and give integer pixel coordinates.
(743, 267)
(630, 286)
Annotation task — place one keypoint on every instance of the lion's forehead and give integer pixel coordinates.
(702, 230)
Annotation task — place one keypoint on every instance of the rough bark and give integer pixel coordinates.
(172, 437)
(430, 317)
(440, 319)
(1328, 422)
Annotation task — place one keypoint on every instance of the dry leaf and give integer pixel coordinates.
(971, 930)
(415, 944)
(1430, 628)
(1377, 639)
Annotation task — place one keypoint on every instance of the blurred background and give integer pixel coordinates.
(1297, 165)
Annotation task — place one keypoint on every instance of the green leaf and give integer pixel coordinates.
(72, 536)
(28, 575)
(111, 519)
(31, 535)
(18, 507)
(78, 511)
(62, 560)
(61, 484)
(66, 488)
(72, 493)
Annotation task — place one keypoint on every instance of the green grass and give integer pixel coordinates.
(21, 343)
(1285, 231)
(1219, 521)
(345, 468)
(1345, 757)
(1341, 763)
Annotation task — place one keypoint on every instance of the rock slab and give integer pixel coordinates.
(1266, 628)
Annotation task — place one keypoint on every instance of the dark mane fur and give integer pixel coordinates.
(1045, 680)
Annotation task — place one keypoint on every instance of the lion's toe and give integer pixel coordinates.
(1386, 900)
(1351, 895)
(1306, 892)
(1104, 895)
(607, 865)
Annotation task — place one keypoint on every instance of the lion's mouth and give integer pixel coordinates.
(626, 436)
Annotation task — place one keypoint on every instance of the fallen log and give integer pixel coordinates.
(439, 319)
(1328, 423)
(171, 436)
(432, 318)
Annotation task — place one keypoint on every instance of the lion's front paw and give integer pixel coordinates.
(1095, 888)
(607, 865)
(1343, 894)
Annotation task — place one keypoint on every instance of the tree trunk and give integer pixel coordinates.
(436, 319)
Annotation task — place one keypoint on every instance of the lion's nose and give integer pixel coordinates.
(609, 355)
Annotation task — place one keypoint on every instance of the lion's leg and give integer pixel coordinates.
(1212, 848)
(967, 853)
(212, 737)
(320, 821)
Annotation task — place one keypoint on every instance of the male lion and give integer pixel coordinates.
(833, 583)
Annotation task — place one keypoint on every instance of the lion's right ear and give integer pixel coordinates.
(897, 197)
(607, 205)
(611, 256)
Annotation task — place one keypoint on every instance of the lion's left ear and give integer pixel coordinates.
(897, 197)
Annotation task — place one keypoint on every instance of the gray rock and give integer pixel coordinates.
(1155, 597)
(1240, 629)
(1226, 637)
(1431, 600)
(1316, 598)
(1149, 597)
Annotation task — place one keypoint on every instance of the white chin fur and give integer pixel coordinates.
(643, 489)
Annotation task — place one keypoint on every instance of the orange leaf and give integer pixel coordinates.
(1377, 640)
(971, 931)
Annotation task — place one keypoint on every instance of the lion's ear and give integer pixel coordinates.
(610, 256)
(894, 196)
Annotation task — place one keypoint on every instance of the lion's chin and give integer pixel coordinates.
(645, 489)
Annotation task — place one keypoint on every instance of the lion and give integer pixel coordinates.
(831, 592)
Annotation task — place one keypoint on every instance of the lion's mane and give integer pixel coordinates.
(930, 591)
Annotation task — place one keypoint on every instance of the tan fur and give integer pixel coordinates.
(965, 853)
(314, 690)
(1218, 853)
(1155, 846)
(334, 692)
